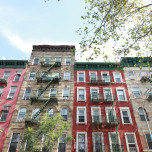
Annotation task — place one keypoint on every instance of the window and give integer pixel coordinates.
(94, 93)
(55, 74)
(81, 142)
(81, 94)
(136, 92)
(17, 76)
(62, 144)
(121, 95)
(117, 77)
(105, 76)
(67, 76)
(81, 76)
(47, 60)
(149, 140)
(114, 142)
(143, 73)
(34, 112)
(107, 94)
(131, 142)
(12, 92)
(66, 93)
(32, 76)
(58, 59)
(4, 113)
(98, 143)
(14, 142)
(81, 115)
(96, 114)
(50, 112)
(21, 114)
(110, 114)
(142, 114)
(6, 75)
(27, 93)
(64, 114)
(36, 61)
(1, 91)
(131, 75)
(53, 92)
(150, 74)
(93, 76)
(67, 61)
(39, 92)
(125, 116)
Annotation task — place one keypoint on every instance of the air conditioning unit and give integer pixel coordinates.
(20, 120)
(6, 108)
(11, 97)
(65, 97)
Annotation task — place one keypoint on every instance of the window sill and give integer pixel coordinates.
(122, 100)
(81, 81)
(81, 100)
(2, 121)
(81, 123)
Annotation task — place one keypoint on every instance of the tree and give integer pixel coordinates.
(50, 129)
(126, 25)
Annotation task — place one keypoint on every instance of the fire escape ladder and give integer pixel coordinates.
(41, 109)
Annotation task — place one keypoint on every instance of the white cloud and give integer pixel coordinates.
(3, 58)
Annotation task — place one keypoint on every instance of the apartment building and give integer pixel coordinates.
(103, 118)
(47, 87)
(138, 75)
(11, 78)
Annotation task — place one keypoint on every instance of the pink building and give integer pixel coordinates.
(11, 77)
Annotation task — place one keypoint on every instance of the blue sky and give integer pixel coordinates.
(24, 23)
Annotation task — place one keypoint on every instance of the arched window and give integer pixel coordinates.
(21, 114)
(142, 114)
(50, 112)
(64, 114)
(34, 112)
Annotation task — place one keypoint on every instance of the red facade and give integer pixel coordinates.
(88, 128)
(8, 98)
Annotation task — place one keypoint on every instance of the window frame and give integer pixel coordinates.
(85, 115)
(138, 90)
(78, 76)
(53, 94)
(77, 142)
(68, 94)
(104, 95)
(48, 112)
(123, 92)
(103, 72)
(4, 114)
(11, 97)
(107, 114)
(32, 77)
(16, 74)
(65, 115)
(66, 61)
(99, 113)
(69, 77)
(121, 80)
(62, 142)
(1, 91)
(34, 60)
(129, 115)
(22, 119)
(5, 73)
(132, 77)
(95, 75)
(127, 144)
(35, 113)
(25, 92)
(80, 88)
(93, 140)
(148, 141)
(94, 88)
(144, 114)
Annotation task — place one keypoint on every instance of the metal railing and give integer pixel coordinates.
(102, 98)
(49, 63)
(100, 80)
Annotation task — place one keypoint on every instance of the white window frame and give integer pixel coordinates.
(33, 114)
(129, 115)
(93, 140)
(68, 94)
(56, 74)
(107, 114)
(21, 120)
(79, 88)
(124, 94)
(66, 76)
(34, 59)
(24, 94)
(107, 88)
(99, 112)
(115, 77)
(104, 73)
(133, 76)
(94, 88)
(30, 74)
(50, 92)
(6, 117)
(93, 72)
(137, 90)
(5, 73)
(11, 140)
(132, 133)
(11, 97)
(86, 144)
(56, 58)
(66, 59)
(78, 76)
(110, 141)
(17, 73)
(85, 115)
(1, 92)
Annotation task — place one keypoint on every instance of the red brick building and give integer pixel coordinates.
(11, 77)
(103, 118)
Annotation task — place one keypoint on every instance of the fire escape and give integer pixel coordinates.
(111, 120)
(44, 77)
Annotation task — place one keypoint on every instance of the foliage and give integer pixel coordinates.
(125, 25)
(51, 129)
